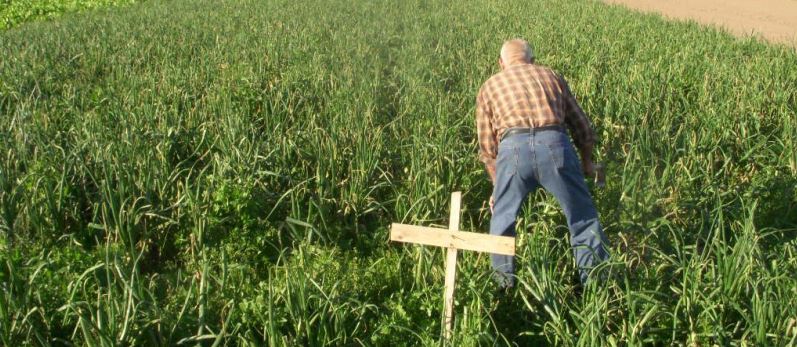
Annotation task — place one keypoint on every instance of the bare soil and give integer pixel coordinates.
(772, 20)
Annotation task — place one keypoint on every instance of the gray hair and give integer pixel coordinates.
(516, 51)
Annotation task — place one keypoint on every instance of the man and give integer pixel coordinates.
(521, 114)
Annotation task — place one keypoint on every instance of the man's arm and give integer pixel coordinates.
(487, 137)
(580, 130)
(587, 165)
(491, 172)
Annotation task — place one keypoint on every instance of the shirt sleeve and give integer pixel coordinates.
(484, 127)
(578, 123)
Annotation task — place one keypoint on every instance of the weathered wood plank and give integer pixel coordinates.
(457, 239)
(451, 265)
(451, 274)
(453, 219)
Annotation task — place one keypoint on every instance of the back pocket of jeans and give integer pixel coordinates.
(559, 153)
(507, 160)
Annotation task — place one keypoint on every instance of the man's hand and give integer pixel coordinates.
(491, 173)
(589, 169)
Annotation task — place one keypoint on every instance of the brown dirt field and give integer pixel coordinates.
(773, 20)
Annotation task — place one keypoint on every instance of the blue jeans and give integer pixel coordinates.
(547, 159)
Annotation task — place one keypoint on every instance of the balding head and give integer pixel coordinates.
(514, 52)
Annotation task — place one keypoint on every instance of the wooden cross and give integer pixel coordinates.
(453, 240)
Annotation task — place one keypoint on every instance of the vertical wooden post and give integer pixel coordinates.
(451, 264)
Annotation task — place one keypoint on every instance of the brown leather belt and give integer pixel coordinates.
(517, 131)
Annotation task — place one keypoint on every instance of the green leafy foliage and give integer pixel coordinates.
(224, 172)
(15, 12)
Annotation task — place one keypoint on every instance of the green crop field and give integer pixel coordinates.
(225, 172)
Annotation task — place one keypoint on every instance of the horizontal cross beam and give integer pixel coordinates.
(452, 239)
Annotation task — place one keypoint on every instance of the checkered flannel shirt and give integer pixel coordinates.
(526, 96)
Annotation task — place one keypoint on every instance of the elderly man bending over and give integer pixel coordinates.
(521, 114)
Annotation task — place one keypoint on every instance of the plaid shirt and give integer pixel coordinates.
(526, 96)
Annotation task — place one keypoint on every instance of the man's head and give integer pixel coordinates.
(515, 52)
